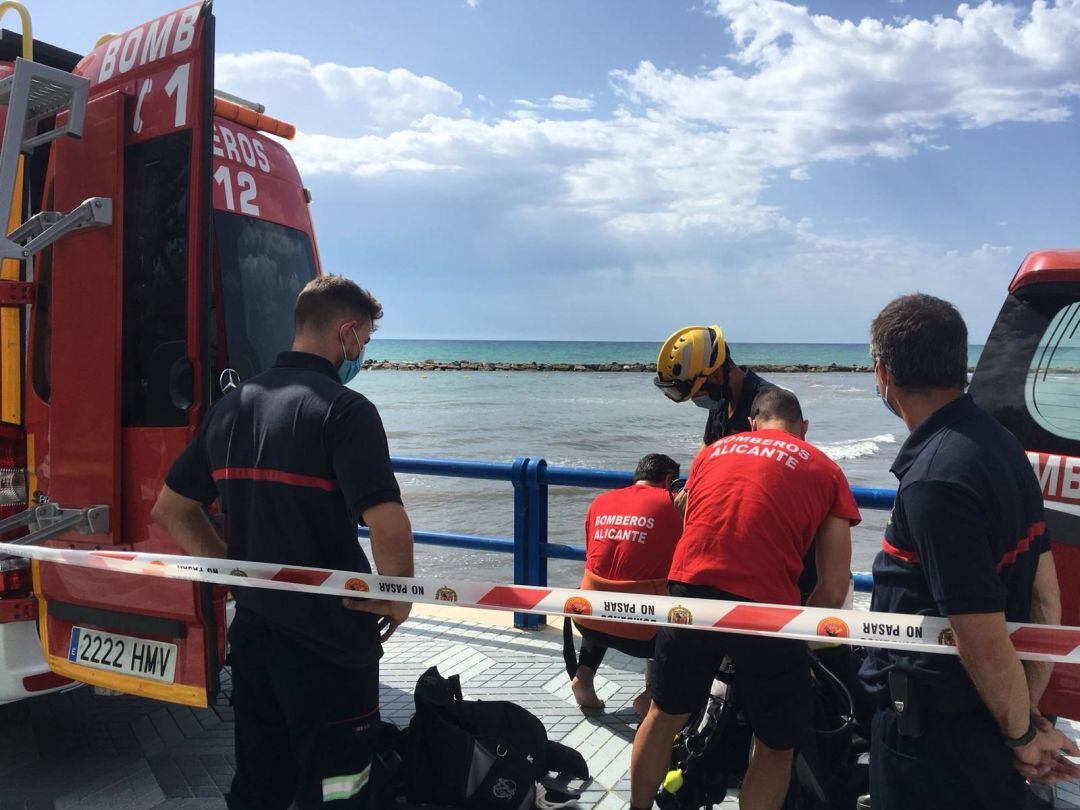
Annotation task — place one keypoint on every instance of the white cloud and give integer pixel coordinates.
(558, 102)
(696, 151)
(356, 99)
(570, 103)
(811, 87)
(675, 179)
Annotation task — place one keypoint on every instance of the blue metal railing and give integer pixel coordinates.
(531, 478)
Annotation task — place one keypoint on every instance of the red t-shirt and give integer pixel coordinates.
(630, 533)
(755, 502)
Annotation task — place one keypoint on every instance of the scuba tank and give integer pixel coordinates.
(710, 756)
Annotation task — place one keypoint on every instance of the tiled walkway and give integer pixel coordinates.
(79, 750)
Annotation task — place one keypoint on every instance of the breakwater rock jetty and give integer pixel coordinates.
(468, 365)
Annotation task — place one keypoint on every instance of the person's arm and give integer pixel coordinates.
(982, 639)
(990, 659)
(392, 548)
(683, 495)
(948, 524)
(680, 503)
(361, 460)
(186, 522)
(833, 558)
(1045, 609)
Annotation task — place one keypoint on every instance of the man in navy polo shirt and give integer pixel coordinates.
(966, 540)
(296, 458)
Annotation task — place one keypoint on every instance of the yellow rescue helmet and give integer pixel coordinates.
(687, 358)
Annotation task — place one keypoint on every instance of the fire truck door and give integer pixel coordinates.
(126, 351)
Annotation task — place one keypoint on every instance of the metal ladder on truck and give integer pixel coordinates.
(34, 94)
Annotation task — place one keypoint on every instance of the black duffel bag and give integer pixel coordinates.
(482, 755)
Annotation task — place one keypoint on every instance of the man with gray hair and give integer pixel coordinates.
(966, 541)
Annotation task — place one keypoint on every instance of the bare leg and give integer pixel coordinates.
(584, 692)
(642, 703)
(651, 756)
(766, 782)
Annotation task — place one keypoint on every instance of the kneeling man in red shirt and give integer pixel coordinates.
(756, 502)
(630, 537)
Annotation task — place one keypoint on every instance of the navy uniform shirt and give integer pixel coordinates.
(719, 425)
(965, 536)
(296, 458)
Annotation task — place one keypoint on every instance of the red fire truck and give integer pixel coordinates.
(152, 261)
(173, 276)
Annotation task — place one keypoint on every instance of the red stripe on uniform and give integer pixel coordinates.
(274, 476)
(899, 553)
(1023, 544)
(1039, 640)
(511, 597)
(752, 617)
(301, 576)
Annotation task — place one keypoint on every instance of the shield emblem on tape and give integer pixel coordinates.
(578, 606)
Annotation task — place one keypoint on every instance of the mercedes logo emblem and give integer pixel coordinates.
(228, 380)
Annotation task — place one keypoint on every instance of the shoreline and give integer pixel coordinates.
(468, 365)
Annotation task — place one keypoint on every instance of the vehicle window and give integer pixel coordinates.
(263, 268)
(156, 369)
(1052, 392)
(41, 362)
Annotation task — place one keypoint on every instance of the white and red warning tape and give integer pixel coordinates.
(930, 634)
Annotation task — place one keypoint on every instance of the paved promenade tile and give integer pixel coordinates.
(81, 750)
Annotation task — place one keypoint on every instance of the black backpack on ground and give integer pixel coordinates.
(483, 755)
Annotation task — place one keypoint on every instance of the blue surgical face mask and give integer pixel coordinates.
(711, 396)
(350, 368)
(884, 398)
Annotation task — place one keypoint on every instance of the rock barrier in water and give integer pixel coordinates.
(467, 365)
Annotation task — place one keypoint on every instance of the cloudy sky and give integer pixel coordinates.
(610, 169)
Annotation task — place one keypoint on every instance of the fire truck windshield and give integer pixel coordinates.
(263, 266)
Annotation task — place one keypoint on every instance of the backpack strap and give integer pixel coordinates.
(569, 654)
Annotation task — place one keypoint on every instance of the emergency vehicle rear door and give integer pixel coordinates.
(130, 371)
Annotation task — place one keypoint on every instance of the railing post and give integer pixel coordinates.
(537, 519)
(521, 533)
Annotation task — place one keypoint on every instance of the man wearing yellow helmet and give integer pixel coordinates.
(695, 364)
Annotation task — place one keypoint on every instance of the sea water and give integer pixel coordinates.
(555, 351)
(595, 419)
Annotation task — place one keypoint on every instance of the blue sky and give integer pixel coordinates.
(612, 169)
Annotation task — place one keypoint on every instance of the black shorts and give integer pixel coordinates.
(634, 647)
(772, 675)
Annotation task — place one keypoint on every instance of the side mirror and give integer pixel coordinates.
(182, 383)
(169, 385)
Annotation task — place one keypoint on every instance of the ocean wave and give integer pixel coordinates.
(840, 388)
(856, 448)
